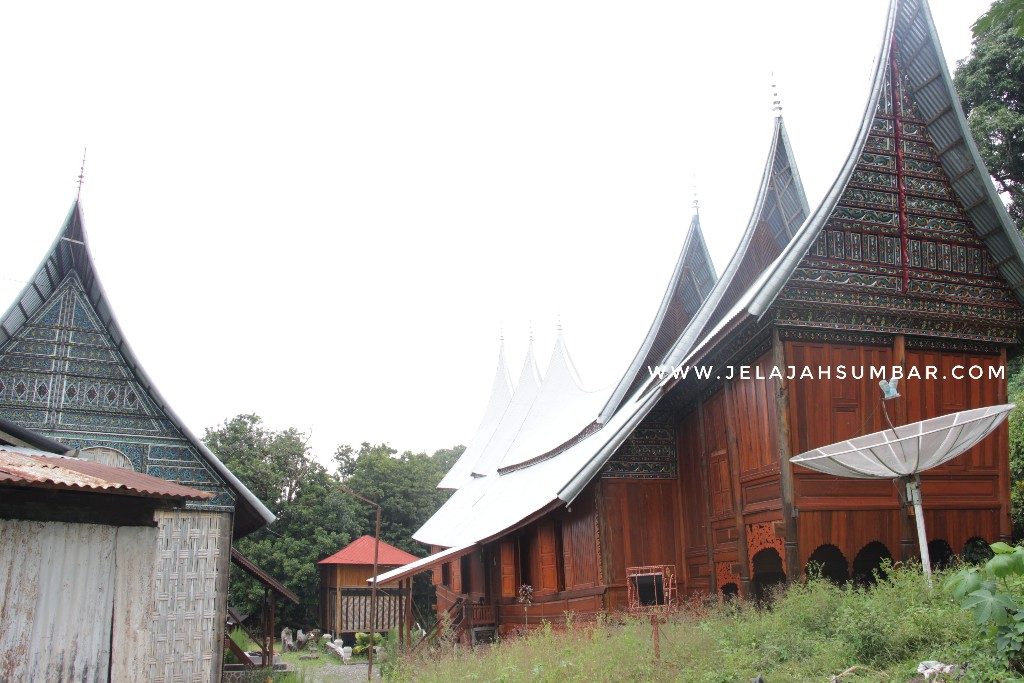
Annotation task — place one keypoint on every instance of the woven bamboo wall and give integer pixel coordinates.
(192, 563)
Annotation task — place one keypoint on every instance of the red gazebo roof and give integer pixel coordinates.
(360, 551)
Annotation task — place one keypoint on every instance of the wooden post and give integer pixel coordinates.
(1005, 525)
(783, 445)
(908, 540)
(706, 488)
(271, 621)
(337, 611)
(732, 450)
(373, 596)
(408, 615)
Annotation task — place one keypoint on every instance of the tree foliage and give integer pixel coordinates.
(316, 516)
(1001, 13)
(991, 87)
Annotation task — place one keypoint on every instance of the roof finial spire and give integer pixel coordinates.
(776, 100)
(81, 175)
(531, 331)
(696, 201)
(558, 322)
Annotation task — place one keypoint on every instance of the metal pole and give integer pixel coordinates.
(373, 595)
(373, 585)
(914, 493)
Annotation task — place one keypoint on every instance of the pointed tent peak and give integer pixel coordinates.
(531, 371)
(561, 363)
(500, 397)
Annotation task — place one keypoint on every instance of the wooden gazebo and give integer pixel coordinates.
(345, 591)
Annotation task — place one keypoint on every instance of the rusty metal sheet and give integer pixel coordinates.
(29, 468)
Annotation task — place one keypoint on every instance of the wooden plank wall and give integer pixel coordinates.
(729, 480)
(964, 499)
(640, 525)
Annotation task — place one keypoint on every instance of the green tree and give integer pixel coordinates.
(314, 518)
(991, 87)
(405, 486)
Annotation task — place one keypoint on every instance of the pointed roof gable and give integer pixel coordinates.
(501, 395)
(911, 39)
(779, 210)
(948, 190)
(96, 392)
(512, 420)
(691, 282)
(562, 412)
(360, 551)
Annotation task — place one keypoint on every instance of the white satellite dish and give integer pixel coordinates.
(904, 452)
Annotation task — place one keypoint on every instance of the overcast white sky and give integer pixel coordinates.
(325, 213)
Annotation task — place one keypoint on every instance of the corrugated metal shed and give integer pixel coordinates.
(28, 468)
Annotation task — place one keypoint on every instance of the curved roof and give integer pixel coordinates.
(491, 506)
(561, 411)
(69, 260)
(692, 280)
(501, 396)
(911, 30)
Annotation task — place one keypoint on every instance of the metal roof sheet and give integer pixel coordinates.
(501, 396)
(37, 469)
(360, 551)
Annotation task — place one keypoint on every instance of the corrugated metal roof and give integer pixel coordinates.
(36, 469)
(360, 551)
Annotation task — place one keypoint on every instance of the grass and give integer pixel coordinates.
(812, 631)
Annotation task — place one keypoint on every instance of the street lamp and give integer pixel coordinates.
(373, 586)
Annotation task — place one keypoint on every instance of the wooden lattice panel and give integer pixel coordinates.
(192, 555)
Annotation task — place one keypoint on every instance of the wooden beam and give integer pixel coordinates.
(784, 451)
(908, 530)
(682, 570)
(706, 488)
(939, 114)
(1005, 526)
(733, 458)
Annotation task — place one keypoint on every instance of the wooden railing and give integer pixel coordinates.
(481, 615)
(454, 618)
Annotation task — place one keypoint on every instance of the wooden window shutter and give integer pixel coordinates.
(548, 555)
(508, 568)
